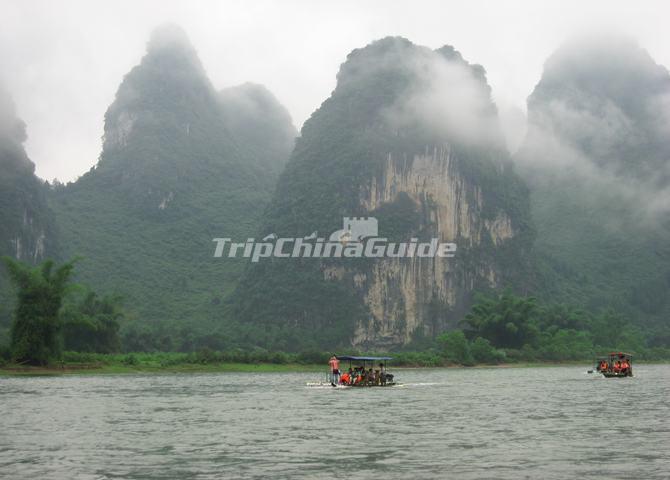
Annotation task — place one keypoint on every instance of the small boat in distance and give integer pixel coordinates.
(615, 365)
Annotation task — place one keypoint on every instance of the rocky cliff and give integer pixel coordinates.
(409, 137)
(26, 223)
(399, 292)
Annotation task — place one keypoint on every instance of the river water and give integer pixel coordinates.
(445, 423)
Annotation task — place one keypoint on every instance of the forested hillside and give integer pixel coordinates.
(176, 170)
(409, 136)
(597, 158)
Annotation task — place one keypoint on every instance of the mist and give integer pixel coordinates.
(63, 63)
(600, 115)
(12, 129)
(447, 98)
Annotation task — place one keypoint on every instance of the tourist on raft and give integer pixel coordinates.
(334, 370)
(360, 376)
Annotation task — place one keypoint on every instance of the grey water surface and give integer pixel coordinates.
(549, 422)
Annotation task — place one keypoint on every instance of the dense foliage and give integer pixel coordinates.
(90, 323)
(36, 325)
(506, 327)
(52, 313)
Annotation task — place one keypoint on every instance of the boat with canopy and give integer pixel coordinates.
(361, 372)
(615, 365)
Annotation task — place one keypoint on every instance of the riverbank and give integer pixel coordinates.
(118, 369)
(161, 363)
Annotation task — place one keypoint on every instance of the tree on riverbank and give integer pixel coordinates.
(91, 323)
(35, 328)
(527, 330)
(51, 312)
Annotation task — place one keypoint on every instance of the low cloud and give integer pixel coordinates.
(601, 116)
(12, 129)
(448, 98)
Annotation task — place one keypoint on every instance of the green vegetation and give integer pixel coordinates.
(45, 317)
(181, 164)
(596, 159)
(91, 323)
(35, 329)
(500, 329)
(508, 328)
(288, 304)
(27, 230)
(267, 362)
(202, 361)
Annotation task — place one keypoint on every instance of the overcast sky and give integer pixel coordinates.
(62, 61)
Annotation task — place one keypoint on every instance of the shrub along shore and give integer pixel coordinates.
(208, 361)
(62, 327)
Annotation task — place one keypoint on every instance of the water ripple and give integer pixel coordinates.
(545, 423)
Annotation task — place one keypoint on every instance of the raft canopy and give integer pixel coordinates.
(362, 359)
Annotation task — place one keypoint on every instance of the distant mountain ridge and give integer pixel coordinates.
(597, 159)
(175, 172)
(409, 136)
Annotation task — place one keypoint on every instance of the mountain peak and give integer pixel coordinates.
(12, 135)
(389, 54)
(167, 88)
(606, 65)
(170, 49)
(169, 36)
(406, 87)
(603, 98)
(254, 116)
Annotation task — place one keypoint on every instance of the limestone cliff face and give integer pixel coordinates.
(25, 221)
(401, 293)
(410, 137)
(449, 201)
(28, 243)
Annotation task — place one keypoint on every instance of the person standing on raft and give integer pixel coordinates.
(334, 370)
